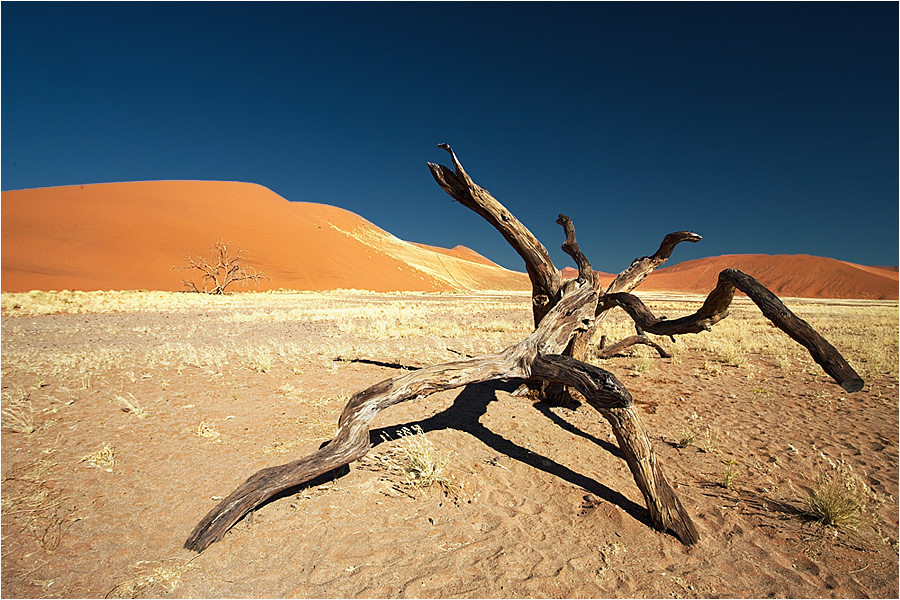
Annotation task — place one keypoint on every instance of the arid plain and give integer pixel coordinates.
(128, 415)
(135, 412)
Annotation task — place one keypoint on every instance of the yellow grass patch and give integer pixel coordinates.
(164, 575)
(104, 458)
(418, 462)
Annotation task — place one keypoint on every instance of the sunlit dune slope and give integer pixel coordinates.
(798, 276)
(460, 252)
(130, 235)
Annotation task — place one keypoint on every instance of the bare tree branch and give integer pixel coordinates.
(227, 270)
(545, 278)
(635, 274)
(715, 308)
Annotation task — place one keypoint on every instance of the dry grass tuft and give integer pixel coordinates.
(18, 414)
(151, 575)
(838, 499)
(421, 464)
(686, 438)
(105, 458)
(730, 474)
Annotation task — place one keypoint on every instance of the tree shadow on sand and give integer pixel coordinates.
(465, 415)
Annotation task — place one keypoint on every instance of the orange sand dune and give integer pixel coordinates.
(798, 276)
(130, 235)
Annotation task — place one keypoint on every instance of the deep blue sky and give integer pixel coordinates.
(765, 127)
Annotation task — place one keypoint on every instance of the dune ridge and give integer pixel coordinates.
(117, 236)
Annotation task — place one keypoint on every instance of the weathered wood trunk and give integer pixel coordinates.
(535, 356)
(565, 316)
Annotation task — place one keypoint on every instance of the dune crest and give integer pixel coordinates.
(130, 235)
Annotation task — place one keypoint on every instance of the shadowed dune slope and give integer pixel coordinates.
(797, 276)
(130, 235)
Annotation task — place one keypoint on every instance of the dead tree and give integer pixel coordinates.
(565, 316)
(224, 270)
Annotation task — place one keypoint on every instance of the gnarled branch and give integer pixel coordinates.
(715, 308)
(570, 247)
(545, 278)
(635, 274)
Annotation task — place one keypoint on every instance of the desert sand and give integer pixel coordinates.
(145, 416)
(129, 415)
(122, 236)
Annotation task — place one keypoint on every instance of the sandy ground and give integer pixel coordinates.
(546, 508)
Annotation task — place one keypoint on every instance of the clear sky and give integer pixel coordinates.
(765, 127)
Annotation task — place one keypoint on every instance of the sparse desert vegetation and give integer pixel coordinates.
(417, 462)
(127, 415)
(838, 498)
